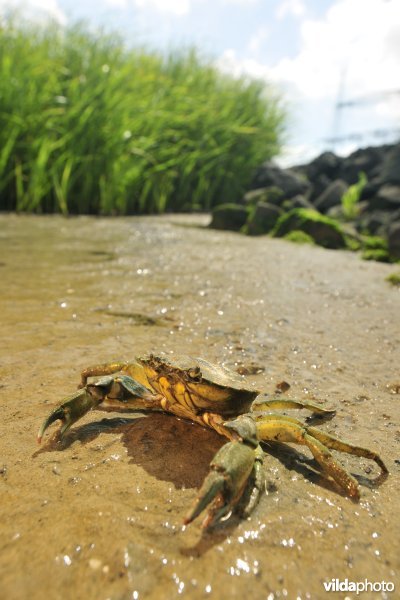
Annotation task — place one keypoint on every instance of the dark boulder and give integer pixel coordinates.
(298, 201)
(390, 172)
(319, 185)
(364, 160)
(394, 240)
(336, 212)
(370, 189)
(271, 194)
(332, 196)
(263, 219)
(324, 231)
(374, 222)
(326, 164)
(290, 182)
(229, 216)
(387, 198)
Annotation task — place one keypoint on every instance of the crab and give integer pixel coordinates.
(212, 396)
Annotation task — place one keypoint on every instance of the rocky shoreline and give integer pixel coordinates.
(336, 202)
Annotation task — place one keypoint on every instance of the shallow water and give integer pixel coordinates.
(99, 515)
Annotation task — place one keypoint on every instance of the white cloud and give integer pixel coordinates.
(121, 4)
(34, 10)
(291, 8)
(230, 63)
(257, 40)
(390, 107)
(296, 154)
(241, 2)
(176, 7)
(356, 40)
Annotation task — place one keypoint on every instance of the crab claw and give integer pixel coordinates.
(123, 389)
(73, 408)
(223, 487)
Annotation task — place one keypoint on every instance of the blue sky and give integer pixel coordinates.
(314, 51)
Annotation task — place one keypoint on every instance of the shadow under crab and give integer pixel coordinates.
(212, 396)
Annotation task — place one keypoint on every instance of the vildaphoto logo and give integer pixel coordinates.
(336, 585)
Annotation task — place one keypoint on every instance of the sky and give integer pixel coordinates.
(336, 62)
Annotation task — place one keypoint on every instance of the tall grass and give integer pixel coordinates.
(90, 126)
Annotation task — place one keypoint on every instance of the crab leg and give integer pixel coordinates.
(122, 391)
(285, 429)
(287, 404)
(134, 370)
(332, 442)
(255, 484)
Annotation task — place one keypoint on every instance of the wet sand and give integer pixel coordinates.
(100, 514)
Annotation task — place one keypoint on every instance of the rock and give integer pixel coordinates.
(299, 237)
(387, 198)
(326, 164)
(364, 160)
(395, 215)
(336, 212)
(298, 201)
(325, 231)
(319, 185)
(394, 240)
(263, 219)
(361, 191)
(290, 182)
(271, 194)
(390, 172)
(332, 196)
(370, 189)
(229, 216)
(374, 222)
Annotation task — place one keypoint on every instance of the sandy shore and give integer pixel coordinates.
(99, 515)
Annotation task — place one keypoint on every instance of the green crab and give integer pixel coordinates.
(211, 395)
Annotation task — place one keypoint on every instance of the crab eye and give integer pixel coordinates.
(194, 373)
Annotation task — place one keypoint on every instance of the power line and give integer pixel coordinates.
(372, 98)
(359, 136)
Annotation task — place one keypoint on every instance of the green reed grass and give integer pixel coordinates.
(90, 126)
(351, 197)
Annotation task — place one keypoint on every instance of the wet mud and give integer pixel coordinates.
(99, 514)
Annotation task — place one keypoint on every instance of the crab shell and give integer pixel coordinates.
(198, 384)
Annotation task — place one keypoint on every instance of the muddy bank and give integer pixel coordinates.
(100, 515)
